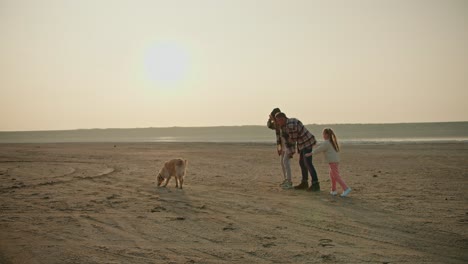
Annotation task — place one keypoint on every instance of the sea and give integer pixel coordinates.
(346, 133)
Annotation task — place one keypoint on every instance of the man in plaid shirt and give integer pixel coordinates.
(305, 140)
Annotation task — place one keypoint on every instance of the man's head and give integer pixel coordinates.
(281, 119)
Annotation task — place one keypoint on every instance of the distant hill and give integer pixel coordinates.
(345, 132)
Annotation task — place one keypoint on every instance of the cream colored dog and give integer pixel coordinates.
(174, 167)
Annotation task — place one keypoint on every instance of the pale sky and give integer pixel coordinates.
(122, 64)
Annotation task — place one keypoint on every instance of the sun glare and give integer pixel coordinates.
(166, 63)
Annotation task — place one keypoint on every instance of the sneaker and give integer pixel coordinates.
(315, 187)
(346, 192)
(284, 182)
(287, 185)
(334, 193)
(302, 186)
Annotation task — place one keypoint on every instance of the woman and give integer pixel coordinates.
(285, 150)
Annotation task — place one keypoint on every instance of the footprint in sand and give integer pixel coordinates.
(158, 209)
(229, 227)
(267, 245)
(326, 242)
(328, 257)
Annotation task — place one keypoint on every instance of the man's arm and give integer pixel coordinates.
(291, 130)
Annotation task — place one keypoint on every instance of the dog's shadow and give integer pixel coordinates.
(175, 201)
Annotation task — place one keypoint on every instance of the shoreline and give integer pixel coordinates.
(344, 142)
(419, 132)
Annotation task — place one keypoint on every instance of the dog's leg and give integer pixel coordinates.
(181, 179)
(167, 181)
(176, 181)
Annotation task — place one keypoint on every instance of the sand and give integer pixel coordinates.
(98, 203)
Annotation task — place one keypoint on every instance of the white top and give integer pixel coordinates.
(330, 153)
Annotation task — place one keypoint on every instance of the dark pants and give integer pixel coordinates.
(307, 166)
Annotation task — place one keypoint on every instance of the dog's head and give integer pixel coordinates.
(159, 179)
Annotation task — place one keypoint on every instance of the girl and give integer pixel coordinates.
(331, 149)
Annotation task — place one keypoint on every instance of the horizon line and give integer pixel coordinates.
(313, 124)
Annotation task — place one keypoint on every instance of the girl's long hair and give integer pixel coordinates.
(332, 137)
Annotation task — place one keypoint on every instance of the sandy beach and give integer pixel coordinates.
(98, 203)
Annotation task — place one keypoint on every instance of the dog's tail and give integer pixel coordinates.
(185, 166)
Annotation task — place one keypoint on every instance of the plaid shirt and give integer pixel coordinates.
(279, 135)
(298, 134)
